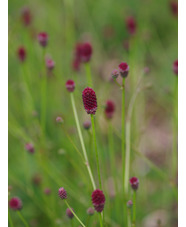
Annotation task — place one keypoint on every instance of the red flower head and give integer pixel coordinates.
(87, 124)
(62, 193)
(85, 52)
(30, 148)
(115, 74)
(89, 100)
(43, 38)
(50, 63)
(15, 203)
(129, 204)
(98, 200)
(174, 7)
(109, 109)
(123, 69)
(26, 16)
(131, 25)
(90, 211)
(134, 182)
(21, 53)
(69, 213)
(59, 119)
(70, 85)
(47, 191)
(175, 67)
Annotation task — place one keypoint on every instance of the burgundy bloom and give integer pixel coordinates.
(175, 67)
(43, 38)
(47, 191)
(69, 213)
(98, 200)
(131, 25)
(70, 85)
(87, 124)
(134, 182)
(174, 7)
(50, 63)
(115, 74)
(26, 16)
(30, 148)
(85, 52)
(21, 53)
(89, 100)
(62, 193)
(109, 109)
(129, 204)
(90, 211)
(123, 69)
(15, 203)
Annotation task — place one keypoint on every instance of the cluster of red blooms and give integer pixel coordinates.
(82, 54)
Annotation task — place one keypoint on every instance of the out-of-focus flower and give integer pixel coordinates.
(69, 213)
(134, 182)
(175, 67)
(15, 203)
(62, 193)
(26, 16)
(123, 69)
(129, 204)
(115, 74)
(21, 52)
(50, 63)
(90, 211)
(70, 85)
(174, 7)
(131, 25)
(98, 200)
(87, 124)
(109, 109)
(43, 39)
(30, 148)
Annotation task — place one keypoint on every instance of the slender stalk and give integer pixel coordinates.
(82, 141)
(22, 219)
(10, 220)
(88, 74)
(96, 150)
(100, 220)
(129, 217)
(134, 209)
(123, 133)
(74, 214)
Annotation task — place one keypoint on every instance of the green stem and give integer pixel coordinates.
(74, 214)
(82, 141)
(100, 220)
(96, 150)
(88, 74)
(134, 209)
(129, 217)
(10, 220)
(22, 218)
(123, 133)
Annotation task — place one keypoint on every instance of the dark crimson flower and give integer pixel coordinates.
(85, 52)
(30, 147)
(134, 182)
(90, 211)
(98, 200)
(131, 25)
(43, 38)
(87, 124)
(109, 109)
(175, 67)
(26, 16)
(69, 213)
(123, 69)
(129, 204)
(15, 203)
(70, 85)
(50, 63)
(115, 74)
(76, 64)
(62, 193)
(47, 191)
(89, 100)
(21, 53)
(59, 120)
(174, 7)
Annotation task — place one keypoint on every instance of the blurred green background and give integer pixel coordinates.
(57, 164)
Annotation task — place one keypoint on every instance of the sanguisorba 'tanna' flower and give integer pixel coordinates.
(70, 85)
(50, 64)
(21, 52)
(123, 69)
(26, 16)
(175, 67)
(30, 148)
(89, 100)
(87, 124)
(98, 200)
(85, 52)
(43, 39)
(62, 193)
(109, 109)
(134, 182)
(131, 25)
(69, 213)
(15, 203)
(115, 74)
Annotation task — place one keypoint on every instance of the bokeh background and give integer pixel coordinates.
(150, 53)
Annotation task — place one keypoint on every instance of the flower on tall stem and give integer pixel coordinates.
(109, 109)
(134, 182)
(62, 193)
(123, 69)
(70, 85)
(43, 39)
(49, 64)
(21, 52)
(69, 213)
(131, 25)
(15, 203)
(98, 200)
(89, 100)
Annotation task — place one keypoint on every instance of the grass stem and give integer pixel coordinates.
(22, 219)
